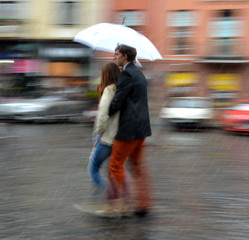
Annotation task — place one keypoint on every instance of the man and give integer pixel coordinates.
(134, 126)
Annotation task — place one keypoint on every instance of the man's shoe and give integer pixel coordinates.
(141, 213)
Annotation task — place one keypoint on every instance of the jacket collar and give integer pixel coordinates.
(127, 64)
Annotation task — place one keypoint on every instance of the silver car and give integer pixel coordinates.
(45, 108)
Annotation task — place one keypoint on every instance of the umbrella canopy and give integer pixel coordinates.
(106, 37)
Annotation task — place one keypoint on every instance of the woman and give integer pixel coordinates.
(105, 127)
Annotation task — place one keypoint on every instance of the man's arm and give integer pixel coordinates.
(123, 88)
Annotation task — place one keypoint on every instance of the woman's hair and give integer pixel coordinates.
(109, 75)
(130, 51)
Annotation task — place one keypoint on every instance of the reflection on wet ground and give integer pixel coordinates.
(201, 182)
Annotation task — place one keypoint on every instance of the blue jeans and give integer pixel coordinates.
(99, 154)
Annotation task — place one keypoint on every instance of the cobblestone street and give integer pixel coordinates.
(201, 182)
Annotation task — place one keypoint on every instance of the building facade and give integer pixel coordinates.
(204, 44)
(36, 39)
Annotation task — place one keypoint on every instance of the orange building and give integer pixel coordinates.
(204, 44)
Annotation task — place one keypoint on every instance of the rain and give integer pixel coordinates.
(199, 111)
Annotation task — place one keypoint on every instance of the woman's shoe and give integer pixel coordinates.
(115, 208)
(108, 211)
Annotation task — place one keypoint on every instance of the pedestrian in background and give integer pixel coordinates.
(134, 126)
(105, 127)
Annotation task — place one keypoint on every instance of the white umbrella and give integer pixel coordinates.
(106, 37)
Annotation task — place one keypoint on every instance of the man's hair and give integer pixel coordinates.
(130, 51)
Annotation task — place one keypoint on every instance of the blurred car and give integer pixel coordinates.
(236, 117)
(90, 114)
(44, 108)
(188, 112)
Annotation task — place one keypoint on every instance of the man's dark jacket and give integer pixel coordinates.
(132, 102)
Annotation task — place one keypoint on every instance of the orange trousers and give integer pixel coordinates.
(134, 151)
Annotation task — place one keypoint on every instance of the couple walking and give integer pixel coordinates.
(121, 126)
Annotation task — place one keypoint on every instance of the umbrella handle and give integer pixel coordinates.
(123, 21)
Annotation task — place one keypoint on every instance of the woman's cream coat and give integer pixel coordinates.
(105, 125)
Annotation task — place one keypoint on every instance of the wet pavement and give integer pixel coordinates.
(200, 179)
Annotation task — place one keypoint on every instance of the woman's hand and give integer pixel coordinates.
(96, 139)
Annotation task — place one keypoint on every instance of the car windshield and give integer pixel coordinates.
(189, 103)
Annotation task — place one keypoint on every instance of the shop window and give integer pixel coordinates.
(226, 24)
(67, 12)
(131, 18)
(13, 10)
(181, 41)
(182, 29)
(224, 30)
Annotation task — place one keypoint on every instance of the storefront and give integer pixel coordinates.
(67, 66)
(58, 65)
(181, 83)
(223, 88)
